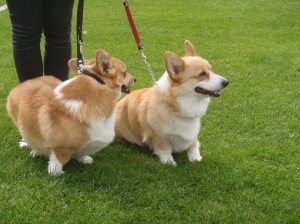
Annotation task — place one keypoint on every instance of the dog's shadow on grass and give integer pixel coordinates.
(126, 175)
(135, 172)
(131, 161)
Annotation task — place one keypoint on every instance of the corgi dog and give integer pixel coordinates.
(166, 117)
(72, 119)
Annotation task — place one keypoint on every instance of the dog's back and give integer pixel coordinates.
(27, 104)
(29, 94)
(131, 112)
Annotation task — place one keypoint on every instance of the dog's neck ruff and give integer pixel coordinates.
(192, 106)
(92, 75)
(163, 83)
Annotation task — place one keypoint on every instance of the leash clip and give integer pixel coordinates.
(148, 66)
(79, 66)
(125, 3)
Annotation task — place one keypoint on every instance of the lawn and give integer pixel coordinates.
(250, 137)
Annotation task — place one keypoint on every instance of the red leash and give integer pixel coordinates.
(137, 38)
(132, 25)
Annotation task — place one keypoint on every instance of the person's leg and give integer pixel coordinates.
(57, 31)
(26, 21)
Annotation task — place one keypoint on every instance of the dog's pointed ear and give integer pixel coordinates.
(189, 49)
(174, 65)
(103, 62)
(73, 65)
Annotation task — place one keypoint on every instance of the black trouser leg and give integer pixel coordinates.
(26, 20)
(57, 30)
(29, 18)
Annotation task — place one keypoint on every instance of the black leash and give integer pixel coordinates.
(80, 60)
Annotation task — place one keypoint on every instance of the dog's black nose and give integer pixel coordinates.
(225, 83)
(134, 79)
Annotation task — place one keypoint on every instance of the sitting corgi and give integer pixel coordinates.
(166, 117)
(71, 119)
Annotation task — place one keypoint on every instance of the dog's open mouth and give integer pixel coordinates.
(207, 92)
(125, 89)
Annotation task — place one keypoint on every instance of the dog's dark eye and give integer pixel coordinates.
(202, 74)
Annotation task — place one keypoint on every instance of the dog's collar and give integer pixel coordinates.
(85, 72)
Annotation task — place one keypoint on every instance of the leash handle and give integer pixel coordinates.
(80, 61)
(132, 25)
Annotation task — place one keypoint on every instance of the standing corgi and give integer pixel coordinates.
(166, 117)
(71, 119)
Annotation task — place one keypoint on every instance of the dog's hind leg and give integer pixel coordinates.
(33, 153)
(23, 144)
(194, 151)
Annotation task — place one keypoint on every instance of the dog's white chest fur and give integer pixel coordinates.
(182, 132)
(101, 133)
(182, 127)
(187, 122)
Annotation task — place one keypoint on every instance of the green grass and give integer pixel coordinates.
(250, 136)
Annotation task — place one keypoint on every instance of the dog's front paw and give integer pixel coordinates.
(170, 162)
(55, 168)
(85, 160)
(194, 155)
(165, 157)
(195, 159)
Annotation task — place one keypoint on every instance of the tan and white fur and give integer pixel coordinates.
(71, 119)
(166, 117)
